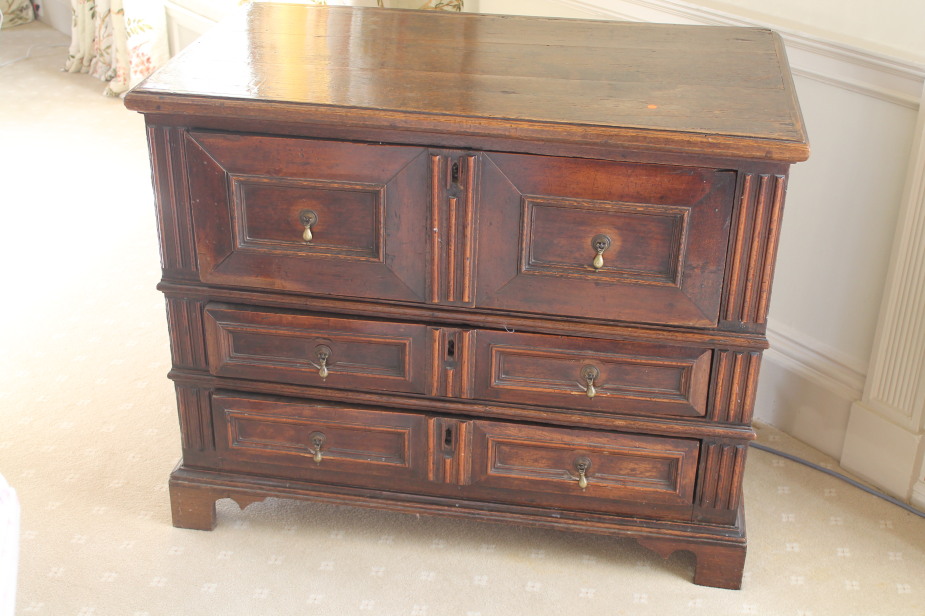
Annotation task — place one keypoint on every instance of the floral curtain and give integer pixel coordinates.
(118, 41)
(15, 12)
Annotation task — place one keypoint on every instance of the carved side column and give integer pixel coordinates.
(885, 442)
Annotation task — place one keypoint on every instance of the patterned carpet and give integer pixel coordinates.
(89, 435)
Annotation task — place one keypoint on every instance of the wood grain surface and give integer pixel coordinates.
(716, 89)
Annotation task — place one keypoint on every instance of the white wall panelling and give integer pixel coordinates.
(885, 439)
(186, 22)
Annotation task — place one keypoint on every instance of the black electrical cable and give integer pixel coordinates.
(838, 475)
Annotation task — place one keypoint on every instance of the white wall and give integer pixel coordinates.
(892, 27)
(57, 14)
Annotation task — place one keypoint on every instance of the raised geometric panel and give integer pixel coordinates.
(647, 243)
(349, 216)
(305, 349)
(331, 443)
(284, 435)
(553, 461)
(636, 378)
(602, 239)
(253, 194)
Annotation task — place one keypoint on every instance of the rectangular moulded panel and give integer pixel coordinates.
(317, 441)
(542, 466)
(566, 225)
(305, 349)
(365, 207)
(349, 217)
(603, 240)
(633, 378)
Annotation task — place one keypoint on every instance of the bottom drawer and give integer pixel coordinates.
(584, 470)
(319, 442)
(467, 460)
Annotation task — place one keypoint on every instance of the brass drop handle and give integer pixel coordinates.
(323, 352)
(589, 374)
(317, 441)
(582, 465)
(599, 243)
(307, 218)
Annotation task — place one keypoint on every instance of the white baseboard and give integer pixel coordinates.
(806, 391)
(918, 491)
(882, 452)
(57, 14)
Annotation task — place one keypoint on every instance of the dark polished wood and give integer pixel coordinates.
(514, 269)
(680, 88)
(542, 466)
(630, 377)
(666, 229)
(287, 347)
(367, 198)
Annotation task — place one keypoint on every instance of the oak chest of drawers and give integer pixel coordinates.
(502, 267)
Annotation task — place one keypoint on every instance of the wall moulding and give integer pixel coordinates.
(896, 385)
(815, 361)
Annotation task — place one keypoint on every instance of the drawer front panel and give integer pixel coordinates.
(604, 240)
(319, 442)
(543, 466)
(597, 375)
(365, 207)
(286, 347)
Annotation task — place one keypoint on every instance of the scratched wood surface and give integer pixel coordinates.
(713, 88)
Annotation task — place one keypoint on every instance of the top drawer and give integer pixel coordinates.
(600, 239)
(366, 207)
(542, 234)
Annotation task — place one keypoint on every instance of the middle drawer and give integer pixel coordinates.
(606, 377)
(304, 349)
(603, 376)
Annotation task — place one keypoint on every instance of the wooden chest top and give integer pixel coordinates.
(720, 91)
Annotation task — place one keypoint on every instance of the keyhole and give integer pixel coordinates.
(448, 437)
(451, 348)
(455, 173)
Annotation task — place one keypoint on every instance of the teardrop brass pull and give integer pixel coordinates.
(307, 218)
(589, 374)
(599, 243)
(582, 465)
(317, 440)
(323, 352)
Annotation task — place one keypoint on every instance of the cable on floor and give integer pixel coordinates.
(838, 475)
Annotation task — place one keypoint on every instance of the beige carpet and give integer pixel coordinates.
(88, 435)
